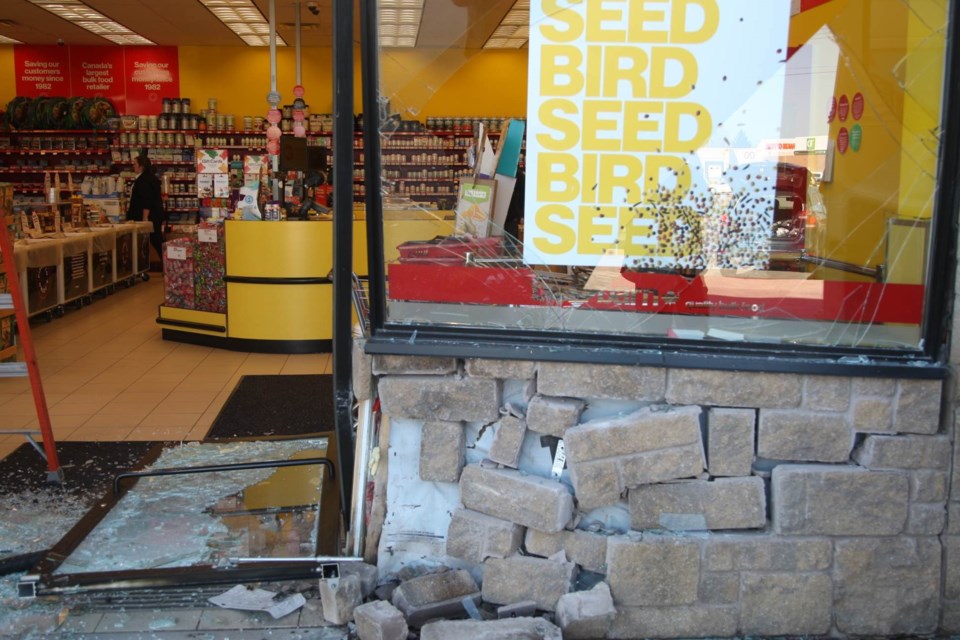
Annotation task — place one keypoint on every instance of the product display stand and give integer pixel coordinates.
(29, 367)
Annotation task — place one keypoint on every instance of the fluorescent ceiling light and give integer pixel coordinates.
(83, 16)
(244, 19)
(514, 30)
(6, 40)
(399, 22)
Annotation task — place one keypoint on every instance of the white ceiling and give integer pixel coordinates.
(458, 23)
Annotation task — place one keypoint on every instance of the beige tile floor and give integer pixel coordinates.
(108, 375)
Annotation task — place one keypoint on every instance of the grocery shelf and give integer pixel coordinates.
(44, 152)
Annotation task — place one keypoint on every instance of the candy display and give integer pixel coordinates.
(179, 268)
(210, 260)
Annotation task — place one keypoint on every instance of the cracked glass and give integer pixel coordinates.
(702, 170)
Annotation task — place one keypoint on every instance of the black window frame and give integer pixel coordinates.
(929, 362)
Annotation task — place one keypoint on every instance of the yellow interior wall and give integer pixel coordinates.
(922, 73)
(864, 191)
(8, 85)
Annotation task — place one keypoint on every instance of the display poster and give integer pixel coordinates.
(151, 73)
(42, 72)
(134, 79)
(97, 72)
(635, 114)
(212, 161)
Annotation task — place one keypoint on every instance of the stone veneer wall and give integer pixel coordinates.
(759, 504)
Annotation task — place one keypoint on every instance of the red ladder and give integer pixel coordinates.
(14, 300)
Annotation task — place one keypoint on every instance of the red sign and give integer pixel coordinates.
(843, 109)
(833, 109)
(97, 72)
(151, 73)
(42, 71)
(858, 106)
(843, 140)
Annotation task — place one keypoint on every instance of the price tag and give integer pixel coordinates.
(207, 235)
(177, 253)
(560, 461)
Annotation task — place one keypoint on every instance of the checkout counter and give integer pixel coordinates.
(279, 291)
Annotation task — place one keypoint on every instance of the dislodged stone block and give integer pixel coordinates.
(904, 452)
(367, 573)
(674, 622)
(388, 365)
(808, 436)
(508, 441)
(726, 503)
(441, 451)
(474, 537)
(434, 595)
(530, 501)
(553, 416)
(838, 501)
(518, 578)
(873, 415)
(826, 393)
(506, 629)
(503, 369)
(918, 406)
(651, 445)
(340, 598)
(762, 552)
(543, 544)
(584, 548)
(451, 398)
(786, 604)
(362, 371)
(887, 586)
(733, 388)
(655, 571)
(601, 381)
(586, 614)
(730, 441)
(380, 620)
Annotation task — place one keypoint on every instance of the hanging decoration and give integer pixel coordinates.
(299, 112)
(273, 117)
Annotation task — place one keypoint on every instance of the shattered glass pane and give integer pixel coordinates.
(211, 518)
(742, 172)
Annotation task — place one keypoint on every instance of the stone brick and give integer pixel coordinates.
(507, 441)
(926, 519)
(951, 568)
(610, 382)
(586, 614)
(538, 581)
(841, 501)
(362, 371)
(653, 571)
(950, 621)
(504, 369)
(390, 365)
(518, 578)
(380, 620)
(528, 500)
(441, 451)
(720, 588)
(733, 388)
(904, 452)
(953, 518)
(506, 629)
(887, 586)
(474, 537)
(880, 387)
(450, 398)
(918, 406)
(782, 604)
(826, 393)
(661, 466)
(873, 415)
(589, 550)
(340, 598)
(807, 436)
(540, 543)
(674, 622)
(597, 483)
(726, 503)
(763, 552)
(434, 595)
(648, 429)
(553, 416)
(731, 434)
(367, 573)
(928, 486)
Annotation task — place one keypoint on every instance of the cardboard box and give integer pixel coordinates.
(475, 207)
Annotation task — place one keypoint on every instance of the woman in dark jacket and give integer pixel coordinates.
(146, 202)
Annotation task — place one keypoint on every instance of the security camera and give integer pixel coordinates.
(314, 8)
(60, 42)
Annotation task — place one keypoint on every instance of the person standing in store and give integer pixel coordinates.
(146, 201)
